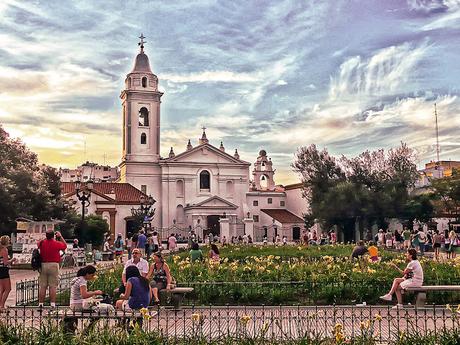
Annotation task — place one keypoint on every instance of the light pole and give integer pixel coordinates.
(84, 194)
(144, 210)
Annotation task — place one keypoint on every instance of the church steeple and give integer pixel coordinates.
(141, 103)
(203, 139)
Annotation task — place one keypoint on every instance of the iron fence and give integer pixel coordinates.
(258, 293)
(271, 323)
(27, 290)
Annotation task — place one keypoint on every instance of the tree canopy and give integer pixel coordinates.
(366, 189)
(27, 189)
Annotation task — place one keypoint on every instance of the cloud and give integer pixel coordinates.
(384, 73)
(212, 77)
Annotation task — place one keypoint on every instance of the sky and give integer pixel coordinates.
(346, 75)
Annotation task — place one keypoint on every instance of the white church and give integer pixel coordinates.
(203, 188)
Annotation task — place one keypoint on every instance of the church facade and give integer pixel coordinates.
(204, 188)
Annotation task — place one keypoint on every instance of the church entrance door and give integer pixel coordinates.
(213, 225)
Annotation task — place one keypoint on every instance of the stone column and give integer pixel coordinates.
(225, 228)
(249, 227)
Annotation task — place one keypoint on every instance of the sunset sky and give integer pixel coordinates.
(343, 74)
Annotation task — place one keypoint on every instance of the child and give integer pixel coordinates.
(373, 251)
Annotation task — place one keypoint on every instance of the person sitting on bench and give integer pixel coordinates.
(136, 261)
(161, 276)
(413, 277)
(79, 290)
(138, 293)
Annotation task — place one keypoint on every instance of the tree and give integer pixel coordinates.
(27, 189)
(362, 190)
(91, 230)
(447, 192)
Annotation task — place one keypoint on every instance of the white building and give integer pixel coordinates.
(203, 188)
(89, 171)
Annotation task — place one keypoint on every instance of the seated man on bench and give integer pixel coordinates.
(413, 277)
(161, 276)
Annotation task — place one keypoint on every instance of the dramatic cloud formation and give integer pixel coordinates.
(347, 75)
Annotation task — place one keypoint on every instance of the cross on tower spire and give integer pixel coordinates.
(141, 43)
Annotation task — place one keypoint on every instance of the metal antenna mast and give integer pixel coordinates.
(437, 135)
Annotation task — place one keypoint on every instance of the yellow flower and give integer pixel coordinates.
(378, 317)
(145, 313)
(448, 307)
(365, 324)
(196, 317)
(338, 326)
(245, 319)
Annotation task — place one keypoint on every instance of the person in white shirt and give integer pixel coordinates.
(137, 261)
(413, 277)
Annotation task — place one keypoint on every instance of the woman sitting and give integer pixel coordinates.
(195, 253)
(79, 290)
(161, 276)
(138, 292)
(412, 277)
(214, 253)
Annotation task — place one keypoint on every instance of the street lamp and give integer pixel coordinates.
(84, 194)
(144, 210)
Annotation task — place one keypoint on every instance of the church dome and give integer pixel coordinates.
(142, 63)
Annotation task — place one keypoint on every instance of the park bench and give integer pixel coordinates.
(176, 295)
(126, 318)
(422, 290)
(107, 256)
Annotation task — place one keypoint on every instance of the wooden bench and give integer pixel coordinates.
(176, 295)
(422, 290)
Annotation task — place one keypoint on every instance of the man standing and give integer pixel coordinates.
(141, 241)
(49, 271)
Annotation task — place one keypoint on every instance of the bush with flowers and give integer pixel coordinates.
(294, 275)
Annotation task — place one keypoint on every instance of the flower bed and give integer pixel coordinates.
(295, 277)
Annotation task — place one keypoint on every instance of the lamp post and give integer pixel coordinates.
(144, 210)
(84, 194)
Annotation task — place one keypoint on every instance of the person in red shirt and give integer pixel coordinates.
(49, 273)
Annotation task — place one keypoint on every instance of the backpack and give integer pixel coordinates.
(36, 261)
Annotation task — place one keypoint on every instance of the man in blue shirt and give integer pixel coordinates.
(141, 241)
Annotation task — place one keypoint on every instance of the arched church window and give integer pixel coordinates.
(180, 214)
(179, 188)
(264, 182)
(144, 82)
(143, 139)
(229, 188)
(205, 180)
(143, 117)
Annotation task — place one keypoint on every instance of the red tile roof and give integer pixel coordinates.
(282, 216)
(124, 192)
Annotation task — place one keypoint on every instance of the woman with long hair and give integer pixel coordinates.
(79, 287)
(138, 292)
(5, 262)
(214, 253)
(161, 276)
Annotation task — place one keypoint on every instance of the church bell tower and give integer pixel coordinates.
(141, 128)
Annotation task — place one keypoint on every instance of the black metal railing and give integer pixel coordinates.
(272, 323)
(258, 293)
(27, 290)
